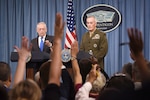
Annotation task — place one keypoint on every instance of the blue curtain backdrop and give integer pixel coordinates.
(19, 17)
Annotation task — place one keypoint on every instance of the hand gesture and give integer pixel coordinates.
(93, 60)
(59, 27)
(25, 51)
(48, 43)
(74, 49)
(92, 74)
(136, 42)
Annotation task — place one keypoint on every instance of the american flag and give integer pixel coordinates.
(70, 29)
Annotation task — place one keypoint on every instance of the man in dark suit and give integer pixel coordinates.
(41, 30)
(46, 45)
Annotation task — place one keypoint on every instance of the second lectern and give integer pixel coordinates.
(37, 58)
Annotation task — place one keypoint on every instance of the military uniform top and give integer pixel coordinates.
(97, 44)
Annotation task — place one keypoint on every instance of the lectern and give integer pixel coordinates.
(37, 58)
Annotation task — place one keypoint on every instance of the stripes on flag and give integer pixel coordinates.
(70, 29)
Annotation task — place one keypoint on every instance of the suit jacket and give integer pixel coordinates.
(35, 46)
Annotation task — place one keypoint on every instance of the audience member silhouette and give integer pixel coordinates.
(66, 86)
(5, 75)
(3, 92)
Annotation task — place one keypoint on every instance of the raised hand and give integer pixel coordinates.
(25, 51)
(136, 47)
(56, 64)
(92, 74)
(136, 42)
(74, 49)
(59, 27)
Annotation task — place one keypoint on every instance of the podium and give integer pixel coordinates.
(37, 58)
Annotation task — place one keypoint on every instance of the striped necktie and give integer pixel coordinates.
(41, 44)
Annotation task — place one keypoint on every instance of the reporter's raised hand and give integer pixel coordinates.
(92, 74)
(25, 51)
(136, 47)
(74, 49)
(75, 67)
(56, 64)
(136, 42)
(59, 27)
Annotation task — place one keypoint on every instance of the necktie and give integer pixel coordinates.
(41, 44)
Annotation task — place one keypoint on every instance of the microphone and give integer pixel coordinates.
(124, 43)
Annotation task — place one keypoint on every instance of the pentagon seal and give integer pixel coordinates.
(65, 55)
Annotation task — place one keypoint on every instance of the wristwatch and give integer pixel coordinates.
(73, 58)
(28, 58)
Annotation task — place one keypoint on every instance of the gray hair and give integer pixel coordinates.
(42, 23)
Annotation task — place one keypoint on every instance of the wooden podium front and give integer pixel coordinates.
(37, 58)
